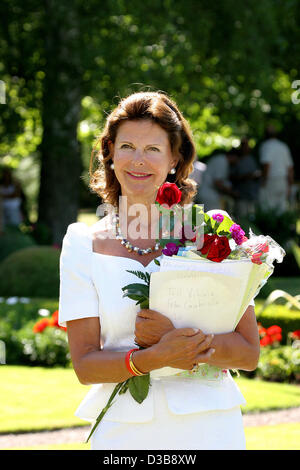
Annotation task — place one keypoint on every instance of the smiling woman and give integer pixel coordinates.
(146, 141)
(127, 133)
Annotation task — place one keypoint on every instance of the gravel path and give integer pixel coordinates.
(79, 434)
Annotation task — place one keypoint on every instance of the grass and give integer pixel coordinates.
(266, 396)
(37, 398)
(278, 437)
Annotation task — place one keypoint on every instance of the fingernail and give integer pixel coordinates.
(196, 329)
(212, 350)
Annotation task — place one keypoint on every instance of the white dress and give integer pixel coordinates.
(178, 413)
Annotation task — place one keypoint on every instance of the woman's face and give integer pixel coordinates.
(142, 159)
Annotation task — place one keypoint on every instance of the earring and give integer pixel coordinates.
(112, 166)
(172, 171)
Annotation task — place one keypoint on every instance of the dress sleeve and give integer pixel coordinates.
(78, 296)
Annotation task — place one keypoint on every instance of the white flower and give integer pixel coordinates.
(43, 312)
(24, 300)
(1, 299)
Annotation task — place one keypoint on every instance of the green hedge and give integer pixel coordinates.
(32, 271)
(291, 285)
(288, 320)
(13, 240)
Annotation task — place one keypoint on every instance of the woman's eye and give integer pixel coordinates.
(126, 146)
(154, 149)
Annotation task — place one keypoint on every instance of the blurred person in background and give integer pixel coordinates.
(11, 195)
(245, 177)
(197, 175)
(216, 185)
(277, 172)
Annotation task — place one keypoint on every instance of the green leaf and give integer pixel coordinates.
(144, 276)
(139, 298)
(136, 289)
(139, 387)
(225, 225)
(222, 233)
(157, 262)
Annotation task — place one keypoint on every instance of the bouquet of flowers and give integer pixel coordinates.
(205, 255)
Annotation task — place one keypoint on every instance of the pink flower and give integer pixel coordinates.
(218, 217)
(237, 234)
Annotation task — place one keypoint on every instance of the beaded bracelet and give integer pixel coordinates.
(130, 365)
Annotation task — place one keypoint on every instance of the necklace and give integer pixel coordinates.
(128, 245)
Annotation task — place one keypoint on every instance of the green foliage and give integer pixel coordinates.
(19, 313)
(32, 271)
(280, 315)
(48, 348)
(13, 239)
(288, 284)
(23, 346)
(280, 364)
(139, 387)
(13, 346)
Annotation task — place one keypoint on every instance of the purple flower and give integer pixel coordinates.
(170, 249)
(218, 217)
(237, 234)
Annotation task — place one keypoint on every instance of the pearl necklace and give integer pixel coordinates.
(128, 245)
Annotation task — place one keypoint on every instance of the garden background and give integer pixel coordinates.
(232, 69)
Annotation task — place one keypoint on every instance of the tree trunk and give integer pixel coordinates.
(60, 151)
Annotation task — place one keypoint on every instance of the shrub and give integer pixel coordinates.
(13, 347)
(18, 313)
(287, 319)
(32, 271)
(13, 240)
(48, 348)
(32, 345)
(280, 364)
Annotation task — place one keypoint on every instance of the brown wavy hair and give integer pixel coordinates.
(159, 108)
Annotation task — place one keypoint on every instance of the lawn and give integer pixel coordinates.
(36, 398)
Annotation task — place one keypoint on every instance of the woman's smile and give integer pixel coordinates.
(139, 176)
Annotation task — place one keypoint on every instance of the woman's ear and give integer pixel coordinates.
(111, 147)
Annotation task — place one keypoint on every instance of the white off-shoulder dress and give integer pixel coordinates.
(179, 413)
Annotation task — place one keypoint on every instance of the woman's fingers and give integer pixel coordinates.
(203, 357)
(205, 343)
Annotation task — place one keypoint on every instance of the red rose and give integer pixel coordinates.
(207, 242)
(217, 248)
(168, 194)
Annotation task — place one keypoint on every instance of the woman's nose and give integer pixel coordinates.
(138, 158)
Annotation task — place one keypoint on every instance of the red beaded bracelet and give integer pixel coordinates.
(127, 357)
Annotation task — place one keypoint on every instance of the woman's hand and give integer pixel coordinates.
(150, 326)
(183, 348)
